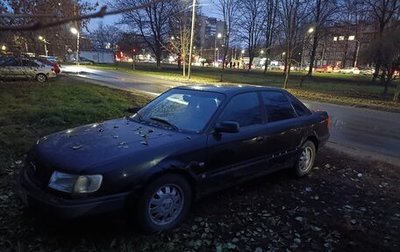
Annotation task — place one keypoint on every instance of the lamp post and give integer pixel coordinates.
(219, 35)
(310, 31)
(191, 38)
(41, 38)
(77, 33)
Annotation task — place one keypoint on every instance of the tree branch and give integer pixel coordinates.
(39, 25)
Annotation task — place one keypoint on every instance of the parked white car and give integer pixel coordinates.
(23, 68)
(350, 70)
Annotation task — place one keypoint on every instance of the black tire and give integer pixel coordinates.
(151, 204)
(41, 77)
(306, 158)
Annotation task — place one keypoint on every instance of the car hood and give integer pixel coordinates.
(80, 149)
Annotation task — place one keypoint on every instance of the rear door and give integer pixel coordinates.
(29, 68)
(283, 130)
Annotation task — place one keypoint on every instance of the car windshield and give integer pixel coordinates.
(180, 109)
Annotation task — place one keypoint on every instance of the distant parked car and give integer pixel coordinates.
(85, 61)
(324, 69)
(25, 68)
(367, 70)
(350, 70)
(187, 142)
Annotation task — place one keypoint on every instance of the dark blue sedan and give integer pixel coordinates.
(186, 143)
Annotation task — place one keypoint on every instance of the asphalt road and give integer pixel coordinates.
(375, 133)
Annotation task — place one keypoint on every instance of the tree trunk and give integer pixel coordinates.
(287, 72)
(376, 73)
(313, 52)
(397, 93)
(251, 57)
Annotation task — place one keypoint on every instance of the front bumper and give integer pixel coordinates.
(62, 208)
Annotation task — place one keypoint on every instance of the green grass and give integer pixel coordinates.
(29, 110)
(354, 90)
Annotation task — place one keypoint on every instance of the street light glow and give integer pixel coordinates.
(172, 37)
(242, 51)
(3, 47)
(311, 30)
(41, 38)
(74, 30)
(219, 35)
(262, 52)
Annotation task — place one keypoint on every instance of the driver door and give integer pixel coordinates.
(232, 156)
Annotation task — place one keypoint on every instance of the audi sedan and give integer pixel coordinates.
(186, 143)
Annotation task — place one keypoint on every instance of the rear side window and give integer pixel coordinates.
(277, 106)
(244, 109)
(298, 106)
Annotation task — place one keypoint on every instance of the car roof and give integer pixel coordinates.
(230, 89)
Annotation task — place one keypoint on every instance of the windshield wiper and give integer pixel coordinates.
(164, 121)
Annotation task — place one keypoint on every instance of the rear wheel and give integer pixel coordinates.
(306, 159)
(164, 203)
(41, 77)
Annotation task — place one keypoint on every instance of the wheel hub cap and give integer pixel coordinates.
(166, 204)
(305, 159)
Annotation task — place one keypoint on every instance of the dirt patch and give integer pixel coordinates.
(346, 204)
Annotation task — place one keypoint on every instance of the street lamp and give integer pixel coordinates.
(41, 38)
(191, 38)
(77, 33)
(219, 35)
(3, 47)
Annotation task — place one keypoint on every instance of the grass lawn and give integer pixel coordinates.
(353, 90)
(29, 110)
(270, 213)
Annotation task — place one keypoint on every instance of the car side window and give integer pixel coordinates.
(26, 63)
(244, 109)
(277, 106)
(13, 62)
(298, 106)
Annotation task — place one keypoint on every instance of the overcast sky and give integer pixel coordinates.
(207, 9)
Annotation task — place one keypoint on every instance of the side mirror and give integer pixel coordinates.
(227, 126)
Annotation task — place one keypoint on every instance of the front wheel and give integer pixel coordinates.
(164, 203)
(41, 78)
(306, 159)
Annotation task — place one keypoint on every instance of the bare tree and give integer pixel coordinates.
(151, 21)
(270, 27)
(252, 22)
(180, 24)
(23, 13)
(105, 36)
(229, 11)
(322, 11)
(383, 11)
(292, 14)
(387, 48)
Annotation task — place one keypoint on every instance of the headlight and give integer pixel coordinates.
(75, 183)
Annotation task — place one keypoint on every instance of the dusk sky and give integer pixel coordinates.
(207, 9)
